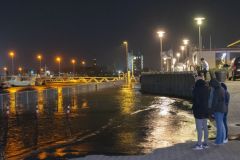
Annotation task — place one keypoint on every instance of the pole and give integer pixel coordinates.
(199, 41)
(210, 43)
(73, 69)
(12, 66)
(40, 65)
(132, 69)
(127, 57)
(160, 54)
(59, 68)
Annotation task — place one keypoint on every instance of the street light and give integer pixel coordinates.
(186, 42)
(125, 43)
(178, 56)
(12, 55)
(20, 69)
(39, 57)
(199, 21)
(83, 62)
(182, 49)
(73, 61)
(58, 59)
(161, 34)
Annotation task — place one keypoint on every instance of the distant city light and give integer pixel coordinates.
(5, 68)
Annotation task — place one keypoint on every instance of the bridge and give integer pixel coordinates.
(80, 79)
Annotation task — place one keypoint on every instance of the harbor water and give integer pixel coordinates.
(113, 121)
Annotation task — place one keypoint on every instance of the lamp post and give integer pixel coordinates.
(182, 49)
(185, 43)
(39, 57)
(199, 21)
(126, 50)
(134, 58)
(73, 61)
(12, 55)
(161, 34)
(58, 59)
(178, 56)
(5, 70)
(20, 70)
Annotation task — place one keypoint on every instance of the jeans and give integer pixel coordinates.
(220, 127)
(225, 125)
(201, 126)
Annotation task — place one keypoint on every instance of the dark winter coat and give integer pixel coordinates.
(227, 95)
(218, 101)
(200, 100)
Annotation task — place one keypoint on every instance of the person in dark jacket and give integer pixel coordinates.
(200, 112)
(218, 108)
(227, 99)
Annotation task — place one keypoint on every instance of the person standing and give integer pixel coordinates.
(200, 112)
(204, 67)
(218, 108)
(227, 99)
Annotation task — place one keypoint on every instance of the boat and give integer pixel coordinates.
(20, 81)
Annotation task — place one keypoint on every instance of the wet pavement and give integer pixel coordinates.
(119, 121)
(183, 151)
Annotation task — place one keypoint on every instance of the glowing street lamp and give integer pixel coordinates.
(73, 61)
(39, 57)
(58, 59)
(161, 34)
(12, 55)
(83, 62)
(199, 21)
(5, 69)
(20, 69)
(125, 43)
(185, 42)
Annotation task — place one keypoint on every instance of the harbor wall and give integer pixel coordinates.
(174, 84)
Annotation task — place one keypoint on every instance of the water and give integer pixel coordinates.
(119, 121)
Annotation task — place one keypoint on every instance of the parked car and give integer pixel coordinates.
(234, 69)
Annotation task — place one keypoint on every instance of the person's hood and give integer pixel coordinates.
(214, 83)
(200, 83)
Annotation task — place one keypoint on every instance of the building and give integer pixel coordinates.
(135, 63)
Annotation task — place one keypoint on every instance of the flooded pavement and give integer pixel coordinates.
(119, 121)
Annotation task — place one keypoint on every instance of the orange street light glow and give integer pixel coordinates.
(20, 69)
(73, 61)
(58, 59)
(5, 68)
(11, 54)
(39, 57)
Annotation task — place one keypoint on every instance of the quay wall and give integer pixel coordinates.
(175, 84)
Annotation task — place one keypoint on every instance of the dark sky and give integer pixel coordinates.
(86, 29)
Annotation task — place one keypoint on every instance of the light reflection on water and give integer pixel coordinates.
(112, 121)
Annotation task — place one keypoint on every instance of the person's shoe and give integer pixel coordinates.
(205, 146)
(197, 147)
(225, 140)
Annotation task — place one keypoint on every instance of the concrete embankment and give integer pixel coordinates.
(176, 84)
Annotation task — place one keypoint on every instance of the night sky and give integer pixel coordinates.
(86, 29)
